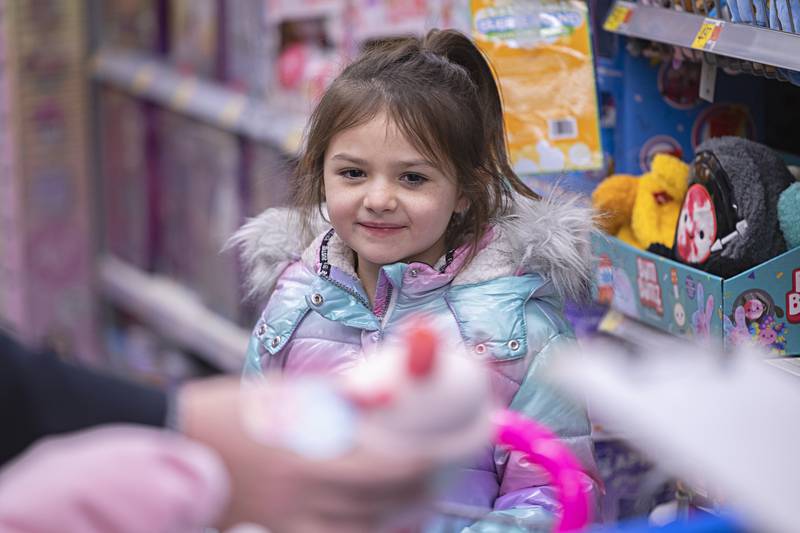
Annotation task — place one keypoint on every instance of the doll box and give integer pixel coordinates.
(761, 305)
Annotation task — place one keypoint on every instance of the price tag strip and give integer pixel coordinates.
(618, 17)
(708, 35)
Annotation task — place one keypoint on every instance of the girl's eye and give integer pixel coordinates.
(414, 179)
(352, 173)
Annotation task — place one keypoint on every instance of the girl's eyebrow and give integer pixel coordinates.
(416, 163)
(363, 162)
(350, 158)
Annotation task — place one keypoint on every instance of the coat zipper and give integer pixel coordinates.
(349, 291)
(389, 307)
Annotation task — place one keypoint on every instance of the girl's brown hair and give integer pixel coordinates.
(440, 91)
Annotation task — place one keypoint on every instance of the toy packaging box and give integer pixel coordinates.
(127, 183)
(172, 254)
(761, 305)
(200, 203)
(267, 171)
(662, 111)
(249, 47)
(314, 40)
(45, 184)
(379, 19)
(542, 54)
(194, 36)
(130, 24)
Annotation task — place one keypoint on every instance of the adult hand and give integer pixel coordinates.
(286, 492)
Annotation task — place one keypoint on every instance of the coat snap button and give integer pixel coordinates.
(317, 299)
(480, 349)
(276, 341)
(513, 345)
(262, 330)
(413, 272)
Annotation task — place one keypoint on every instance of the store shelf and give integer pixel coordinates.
(160, 82)
(174, 312)
(689, 30)
(790, 365)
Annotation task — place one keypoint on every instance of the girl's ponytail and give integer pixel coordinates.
(460, 50)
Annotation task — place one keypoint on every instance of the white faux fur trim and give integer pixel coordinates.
(339, 254)
(549, 236)
(270, 242)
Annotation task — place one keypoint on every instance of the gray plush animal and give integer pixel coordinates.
(729, 219)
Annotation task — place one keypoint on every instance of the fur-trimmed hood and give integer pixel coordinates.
(550, 237)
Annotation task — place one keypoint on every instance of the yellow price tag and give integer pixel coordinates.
(143, 79)
(611, 321)
(618, 16)
(232, 111)
(183, 93)
(707, 35)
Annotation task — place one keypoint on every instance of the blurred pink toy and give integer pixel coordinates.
(545, 449)
(116, 479)
(454, 396)
(420, 397)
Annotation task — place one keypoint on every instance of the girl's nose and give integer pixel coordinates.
(380, 197)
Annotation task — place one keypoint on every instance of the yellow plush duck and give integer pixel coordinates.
(643, 211)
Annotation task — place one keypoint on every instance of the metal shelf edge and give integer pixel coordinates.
(174, 312)
(739, 41)
(156, 80)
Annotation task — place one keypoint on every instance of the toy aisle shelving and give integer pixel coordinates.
(206, 70)
(174, 312)
(704, 32)
(158, 81)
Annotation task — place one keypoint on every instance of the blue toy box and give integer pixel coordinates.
(761, 305)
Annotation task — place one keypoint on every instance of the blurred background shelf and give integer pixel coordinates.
(174, 312)
(692, 30)
(157, 80)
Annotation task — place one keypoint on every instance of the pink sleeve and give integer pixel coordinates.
(117, 479)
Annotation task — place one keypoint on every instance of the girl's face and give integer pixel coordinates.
(385, 199)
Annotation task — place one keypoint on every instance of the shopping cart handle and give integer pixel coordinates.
(546, 450)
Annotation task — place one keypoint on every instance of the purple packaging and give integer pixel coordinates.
(126, 178)
(130, 24)
(268, 172)
(249, 47)
(200, 210)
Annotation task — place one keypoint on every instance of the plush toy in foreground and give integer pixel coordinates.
(420, 396)
(644, 211)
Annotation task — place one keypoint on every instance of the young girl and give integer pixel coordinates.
(406, 154)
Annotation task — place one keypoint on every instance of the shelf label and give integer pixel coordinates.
(183, 93)
(708, 81)
(232, 111)
(143, 79)
(708, 35)
(619, 16)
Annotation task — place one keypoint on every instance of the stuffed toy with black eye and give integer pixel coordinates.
(729, 219)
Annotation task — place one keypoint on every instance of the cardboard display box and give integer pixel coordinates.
(761, 305)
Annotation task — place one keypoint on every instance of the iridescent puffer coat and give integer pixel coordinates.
(505, 305)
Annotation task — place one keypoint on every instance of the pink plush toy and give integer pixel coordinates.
(118, 479)
(378, 405)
